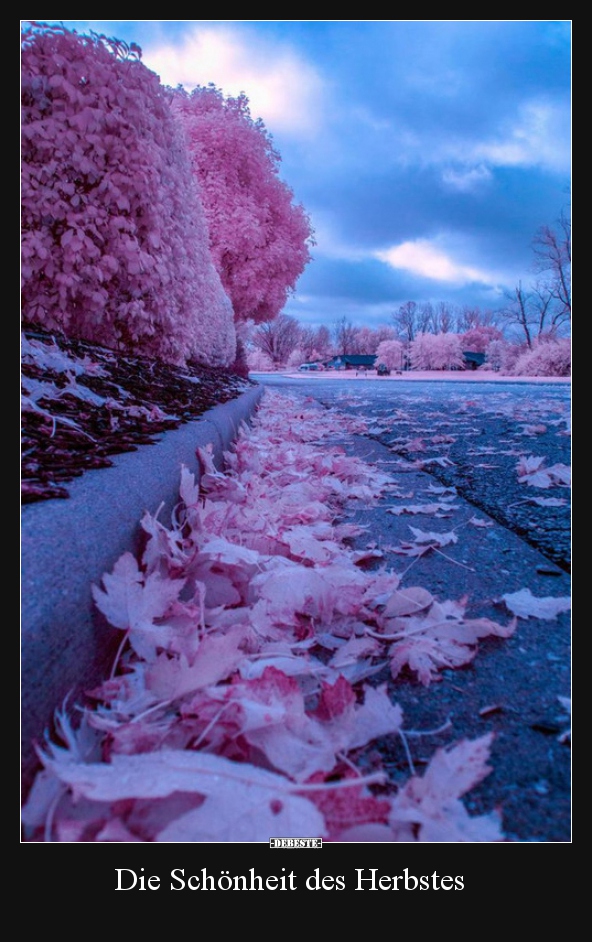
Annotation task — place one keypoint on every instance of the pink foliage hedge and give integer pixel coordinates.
(259, 237)
(548, 357)
(114, 240)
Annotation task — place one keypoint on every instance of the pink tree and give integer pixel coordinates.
(390, 352)
(436, 352)
(259, 362)
(477, 339)
(259, 238)
(495, 355)
(114, 239)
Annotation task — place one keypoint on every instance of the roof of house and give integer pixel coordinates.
(474, 357)
(355, 359)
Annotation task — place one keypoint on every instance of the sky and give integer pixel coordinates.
(427, 153)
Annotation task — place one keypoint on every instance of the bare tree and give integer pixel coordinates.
(405, 320)
(323, 344)
(277, 338)
(552, 249)
(307, 342)
(490, 318)
(344, 335)
(518, 311)
(536, 312)
(425, 318)
(468, 318)
(444, 316)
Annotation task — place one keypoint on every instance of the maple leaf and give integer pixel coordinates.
(188, 489)
(524, 604)
(353, 651)
(441, 638)
(273, 719)
(529, 465)
(132, 601)
(432, 508)
(431, 803)
(531, 471)
(548, 501)
(375, 718)
(243, 802)
(438, 539)
(216, 658)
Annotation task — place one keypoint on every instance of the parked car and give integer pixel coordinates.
(309, 366)
(382, 370)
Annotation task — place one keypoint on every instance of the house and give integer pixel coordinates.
(351, 361)
(473, 361)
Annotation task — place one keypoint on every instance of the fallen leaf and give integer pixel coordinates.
(438, 539)
(524, 604)
(432, 803)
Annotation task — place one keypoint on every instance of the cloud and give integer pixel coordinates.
(283, 88)
(421, 257)
(540, 136)
(467, 180)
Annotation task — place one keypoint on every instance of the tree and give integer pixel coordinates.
(436, 352)
(546, 306)
(390, 352)
(323, 344)
(259, 362)
(296, 358)
(536, 312)
(425, 315)
(552, 249)
(307, 342)
(468, 318)
(114, 239)
(277, 338)
(518, 311)
(405, 320)
(344, 336)
(444, 317)
(478, 338)
(495, 355)
(260, 238)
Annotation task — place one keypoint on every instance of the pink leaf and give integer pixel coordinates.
(526, 605)
(432, 803)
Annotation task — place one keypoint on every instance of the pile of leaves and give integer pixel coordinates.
(83, 403)
(241, 705)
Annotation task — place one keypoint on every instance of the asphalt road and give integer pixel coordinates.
(470, 436)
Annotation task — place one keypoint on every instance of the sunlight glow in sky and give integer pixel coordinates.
(421, 258)
(283, 88)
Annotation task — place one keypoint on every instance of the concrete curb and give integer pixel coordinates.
(67, 545)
